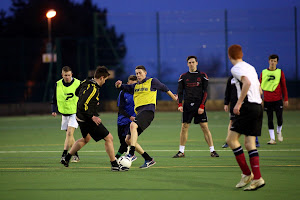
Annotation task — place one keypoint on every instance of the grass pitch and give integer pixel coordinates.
(31, 146)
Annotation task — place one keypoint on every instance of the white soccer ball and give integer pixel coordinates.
(124, 161)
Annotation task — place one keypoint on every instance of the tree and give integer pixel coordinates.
(24, 33)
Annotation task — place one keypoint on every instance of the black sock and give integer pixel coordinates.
(76, 154)
(68, 157)
(118, 155)
(132, 149)
(64, 153)
(114, 163)
(146, 156)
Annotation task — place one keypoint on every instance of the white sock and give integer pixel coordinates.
(211, 148)
(279, 128)
(272, 135)
(181, 148)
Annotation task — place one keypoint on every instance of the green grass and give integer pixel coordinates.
(30, 150)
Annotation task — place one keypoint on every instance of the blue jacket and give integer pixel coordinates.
(126, 108)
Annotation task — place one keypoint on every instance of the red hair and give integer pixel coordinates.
(235, 52)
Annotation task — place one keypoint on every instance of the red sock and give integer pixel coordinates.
(243, 164)
(254, 162)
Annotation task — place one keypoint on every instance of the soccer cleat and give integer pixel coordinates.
(119, 169)
(132, 158)
(272, 141)
(179, 155)
(65, 163)
(279, 137)
(225, 145)
(245, 180)
(62, 159)
(147, 164)
(75, 159)
(257, 144)
(214, 154)
(255, 184)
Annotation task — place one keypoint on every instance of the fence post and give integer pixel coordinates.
(158, 51)
(226, 42)
(296, 42)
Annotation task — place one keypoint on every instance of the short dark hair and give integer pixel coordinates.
(132, 78)
(101, 71)
(189, 57)
(273, 56)
(141, 67)
(66, 69)
(235, 51)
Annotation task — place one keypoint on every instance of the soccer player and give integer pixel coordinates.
(87, 116)
(192, 87)
(274, 86)
(65, 101)
(231, 98)
(248, 121)
(126, 115)
(144, 96)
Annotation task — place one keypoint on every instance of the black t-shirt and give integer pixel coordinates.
(192, 87)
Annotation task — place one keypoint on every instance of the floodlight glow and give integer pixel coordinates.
(50, 14)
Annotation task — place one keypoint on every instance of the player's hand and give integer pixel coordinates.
(236, 109)
(118, 84)
(286, 103)
(54, 114)
(132, 118)
(176, 97)
(180, 109)
(200, 111)
(97, 120)
(226, 108)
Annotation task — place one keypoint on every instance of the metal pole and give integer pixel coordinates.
(158, 51)
(226, 43)
(49, 50)
(296, 42)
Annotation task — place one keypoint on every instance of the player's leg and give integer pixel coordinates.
(122, 132)
(257, 181)
(75, 148)
(64, 126)
(268, 106)
(233, 142)
(183, 138)
(133, 138)
(279, 112)
(109, 147)
(225, 145)
(187, 117)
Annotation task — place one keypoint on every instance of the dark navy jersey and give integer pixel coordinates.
(192, 87)
(126, 108)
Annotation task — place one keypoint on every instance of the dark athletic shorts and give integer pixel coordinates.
(97, 132)
(190, 111)
(273, 106)
(143, 120)
(249, 122)
(123, 130)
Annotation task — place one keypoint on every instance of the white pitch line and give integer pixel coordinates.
(260, 150)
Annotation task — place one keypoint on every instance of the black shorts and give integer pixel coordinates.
(143, 120)
(97, 132)
(273, 106)
(190, 111)
(249, 122)
(123, 130)
(232, 116)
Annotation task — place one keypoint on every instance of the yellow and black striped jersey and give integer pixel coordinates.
(88, 93)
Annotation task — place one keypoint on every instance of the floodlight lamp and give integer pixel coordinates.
(50, 14)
